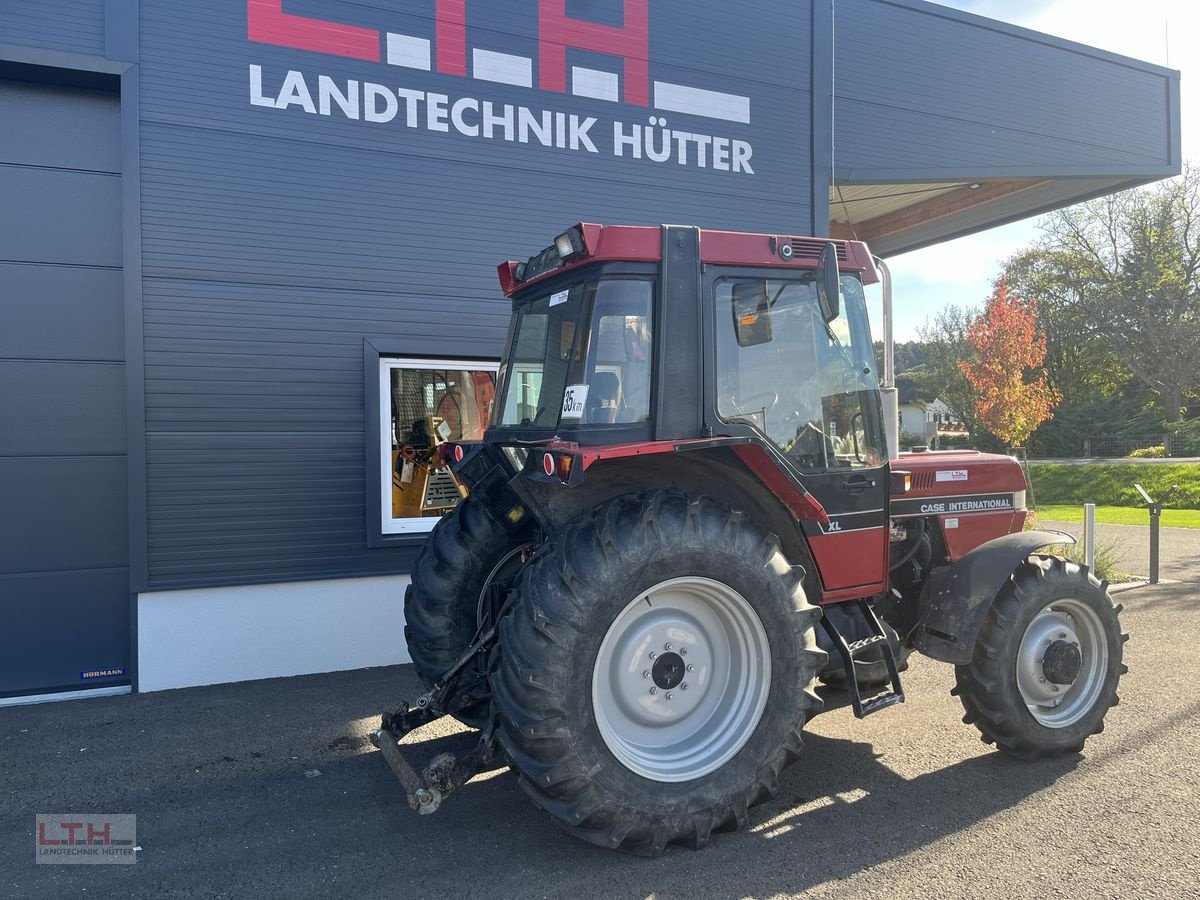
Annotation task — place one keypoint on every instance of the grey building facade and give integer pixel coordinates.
(225, 223)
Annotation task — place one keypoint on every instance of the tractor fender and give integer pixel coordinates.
(957, 597)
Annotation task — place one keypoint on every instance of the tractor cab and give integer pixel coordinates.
(724, 360)
(623, 334)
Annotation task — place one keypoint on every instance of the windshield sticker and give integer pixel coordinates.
(560, 297)
(955, 475)
(574, 399)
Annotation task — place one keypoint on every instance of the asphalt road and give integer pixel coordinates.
(907, 803)
(1178, 548)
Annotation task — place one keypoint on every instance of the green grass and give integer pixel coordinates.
(1118, 515)
(1112, 485)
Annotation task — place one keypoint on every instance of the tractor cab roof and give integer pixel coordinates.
(586, 243)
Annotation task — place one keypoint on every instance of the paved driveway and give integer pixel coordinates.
(907, 803)
(1178, 548)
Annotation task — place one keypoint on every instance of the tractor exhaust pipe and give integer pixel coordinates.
(887, 388)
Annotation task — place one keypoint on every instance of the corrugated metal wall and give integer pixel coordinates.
(923, 91)
(275, 241)
(76, 26)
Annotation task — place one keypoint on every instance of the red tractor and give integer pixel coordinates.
(683, 516)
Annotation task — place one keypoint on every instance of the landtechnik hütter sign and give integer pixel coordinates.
(706, 138)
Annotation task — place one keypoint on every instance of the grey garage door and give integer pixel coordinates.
(64, 555)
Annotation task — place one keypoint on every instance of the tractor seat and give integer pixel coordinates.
(604, 398)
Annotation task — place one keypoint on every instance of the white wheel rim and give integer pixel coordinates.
(1074, 624)
(681, 679)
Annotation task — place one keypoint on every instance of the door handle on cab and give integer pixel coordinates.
(858, 484)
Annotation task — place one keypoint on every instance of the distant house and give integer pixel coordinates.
(922, 414)
(913, 406)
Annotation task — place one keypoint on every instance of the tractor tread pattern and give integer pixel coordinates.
(986, 686)
(440, 603)
(537, 640)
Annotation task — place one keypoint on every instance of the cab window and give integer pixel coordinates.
(807, 385)
(619, 352)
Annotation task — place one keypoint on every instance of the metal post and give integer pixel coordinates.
(1089, 535)
(1155, 519)
(1156, 508)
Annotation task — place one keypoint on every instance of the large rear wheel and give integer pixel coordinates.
(654, 677)
(467, 552)
(1047, 661)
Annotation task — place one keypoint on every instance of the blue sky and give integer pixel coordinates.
(1165, 32)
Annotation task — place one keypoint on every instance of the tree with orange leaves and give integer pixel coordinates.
(1015, 396)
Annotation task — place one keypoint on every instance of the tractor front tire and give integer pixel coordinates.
(467, 550)
(1046, 663)
(653, 678)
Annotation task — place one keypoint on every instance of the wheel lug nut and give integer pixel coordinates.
(683, 651)
(668, 695)
(1062, 636)
(691, 668)
(666, 646)
(653, 690)
(653, 654)
(1042, 678)
(646, 674)
(1054, 687)
(683, 687)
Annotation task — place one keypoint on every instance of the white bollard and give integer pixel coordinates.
(1089, 535)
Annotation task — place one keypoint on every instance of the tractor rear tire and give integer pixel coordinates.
(466, 551)
(1046, 663)
(590, 675)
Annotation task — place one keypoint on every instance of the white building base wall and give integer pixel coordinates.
(216, 635)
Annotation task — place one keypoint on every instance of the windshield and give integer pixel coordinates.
(806, 384)
(580, 356)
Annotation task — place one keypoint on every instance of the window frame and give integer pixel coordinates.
(378, 363)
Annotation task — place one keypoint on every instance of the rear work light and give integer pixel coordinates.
(577, 242)
(569, 243)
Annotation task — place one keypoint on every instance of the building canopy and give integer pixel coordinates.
(947, 123)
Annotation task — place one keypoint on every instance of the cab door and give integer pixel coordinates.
(809, 388)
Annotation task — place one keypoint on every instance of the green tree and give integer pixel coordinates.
(1080, 364)
(945, 342)
(1128, 266)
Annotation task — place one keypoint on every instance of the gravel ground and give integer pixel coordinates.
(907, 803)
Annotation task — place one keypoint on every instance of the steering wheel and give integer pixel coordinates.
(749, 406)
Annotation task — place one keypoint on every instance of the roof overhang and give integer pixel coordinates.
(948, 123)
(899, 217)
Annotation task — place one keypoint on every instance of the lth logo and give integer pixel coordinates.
(269, 24)
(557, 32)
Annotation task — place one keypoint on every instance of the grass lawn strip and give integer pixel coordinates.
(1118, 515)
(1112, 485)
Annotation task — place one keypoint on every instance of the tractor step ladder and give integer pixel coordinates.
(849, 652)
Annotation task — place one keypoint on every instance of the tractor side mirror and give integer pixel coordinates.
(751, 313)
(829, 284)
